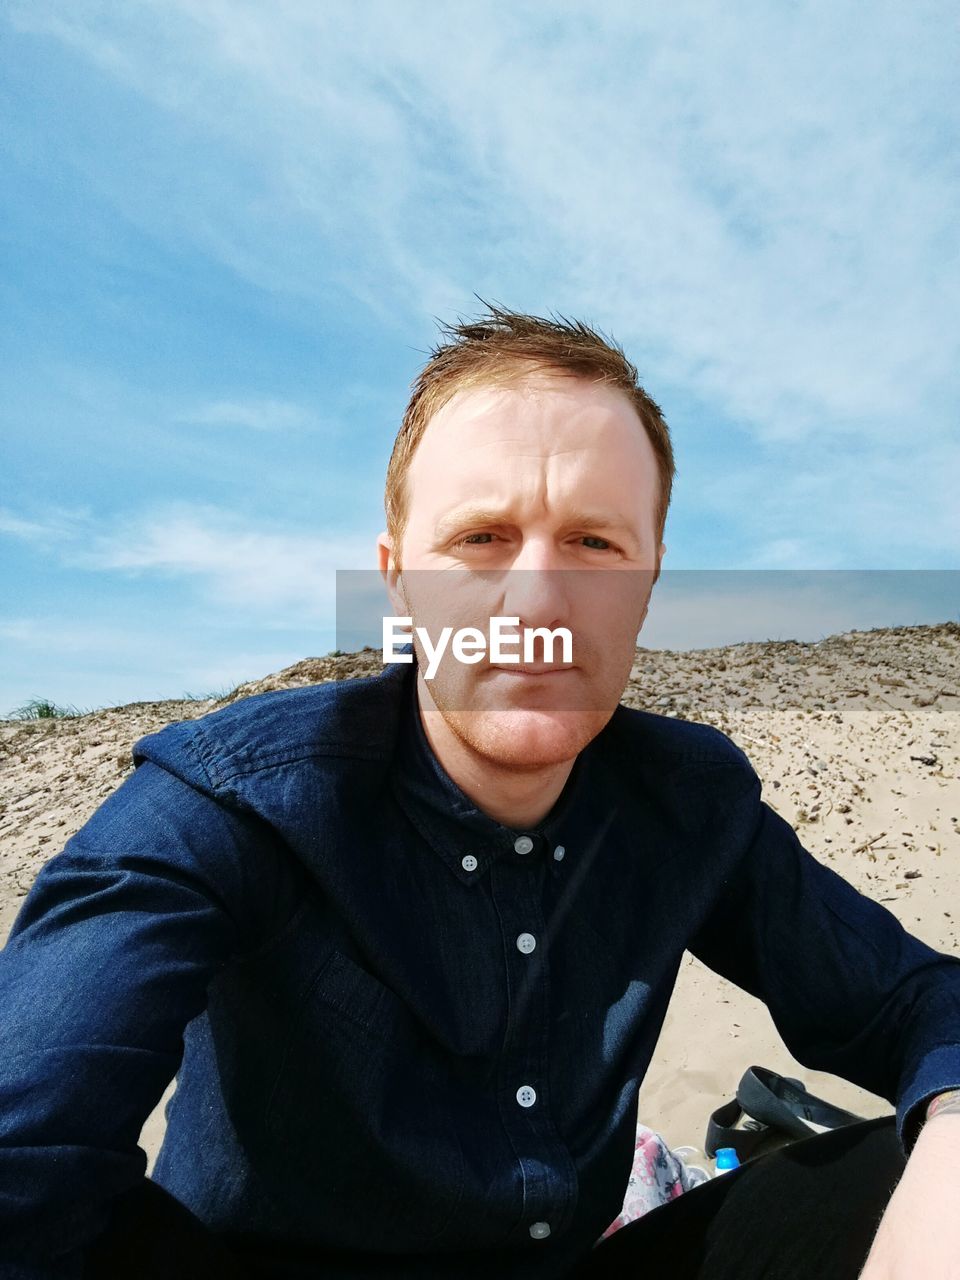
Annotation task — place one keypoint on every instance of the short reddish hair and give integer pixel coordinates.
(502, 347)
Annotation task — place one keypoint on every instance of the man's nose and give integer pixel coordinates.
(536, 555)
(535, 588)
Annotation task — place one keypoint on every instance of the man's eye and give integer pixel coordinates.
(604, 544)
(469, 538)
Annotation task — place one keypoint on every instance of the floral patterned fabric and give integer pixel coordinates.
(657, 1176)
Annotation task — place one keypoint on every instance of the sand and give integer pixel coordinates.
(855, 738)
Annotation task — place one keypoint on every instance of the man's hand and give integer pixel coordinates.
(919, 1234)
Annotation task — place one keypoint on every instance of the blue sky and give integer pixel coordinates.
(229, 228)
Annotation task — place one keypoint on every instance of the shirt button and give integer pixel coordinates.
(526, 943)
(526, 1095)
(558, 852)
(523, 844)
(469, 863)
(540, 1230)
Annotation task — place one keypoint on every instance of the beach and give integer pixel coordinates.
(855, 739)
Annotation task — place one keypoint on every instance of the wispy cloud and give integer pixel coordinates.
(820, 505)
(247, 565)
(26, 530)
(48, 634)
(48, 529)
(758, 198)
(257, 415)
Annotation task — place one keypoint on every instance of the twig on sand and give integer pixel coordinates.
(867, 843)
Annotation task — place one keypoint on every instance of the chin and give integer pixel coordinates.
(528, 739)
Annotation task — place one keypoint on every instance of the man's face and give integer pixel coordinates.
(535, 500)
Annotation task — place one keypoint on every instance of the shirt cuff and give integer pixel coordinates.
(939, 1071)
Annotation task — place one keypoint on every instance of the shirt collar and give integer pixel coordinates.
(449, 820)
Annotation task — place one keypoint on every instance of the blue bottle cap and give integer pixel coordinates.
(727, 1158)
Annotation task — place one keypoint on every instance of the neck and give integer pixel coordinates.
(514, 798)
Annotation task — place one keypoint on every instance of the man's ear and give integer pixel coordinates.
(646, 603)
(643, 615)
(391, 575)
(656, 576)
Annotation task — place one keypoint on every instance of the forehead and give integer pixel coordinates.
(527, 395)
(545, 425)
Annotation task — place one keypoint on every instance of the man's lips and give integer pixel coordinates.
(519, 669)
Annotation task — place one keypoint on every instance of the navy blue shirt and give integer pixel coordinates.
(409, 1040)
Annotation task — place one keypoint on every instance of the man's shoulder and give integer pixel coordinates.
(347, 719)
(685, 769)
(670, 743)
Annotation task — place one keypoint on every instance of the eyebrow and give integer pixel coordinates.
(465, 516)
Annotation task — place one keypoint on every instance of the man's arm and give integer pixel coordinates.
(850, 991)
(896, 1000)
(919, 1234)
(108, 960)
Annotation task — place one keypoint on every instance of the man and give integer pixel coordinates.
(408, 945)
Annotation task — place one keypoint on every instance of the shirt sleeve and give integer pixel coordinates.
(849, 989)
(108, 960)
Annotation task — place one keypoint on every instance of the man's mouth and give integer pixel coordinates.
(531, 669)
